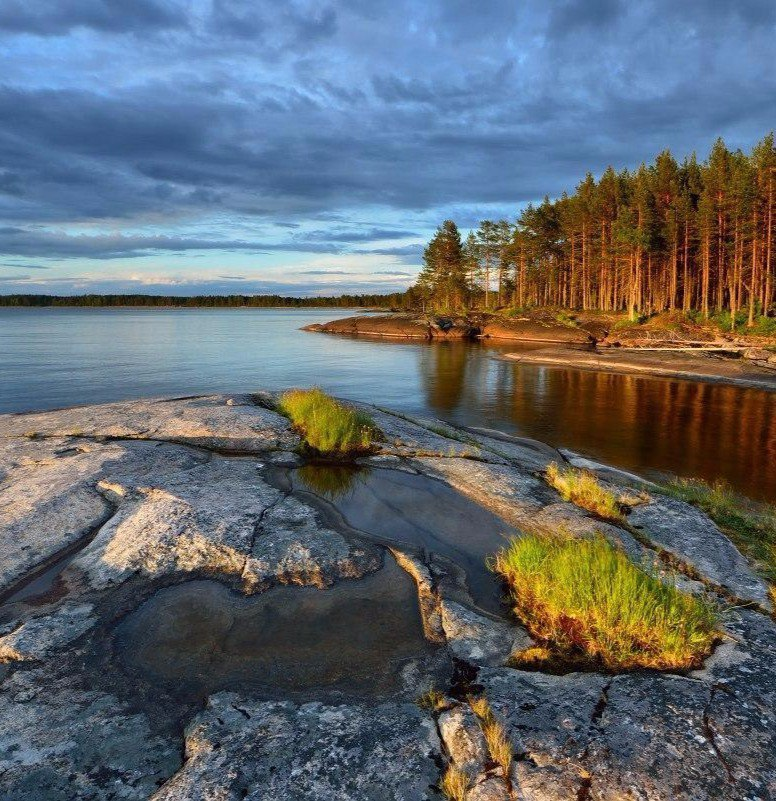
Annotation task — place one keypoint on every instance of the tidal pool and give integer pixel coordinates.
(407, 509)
(200, 637)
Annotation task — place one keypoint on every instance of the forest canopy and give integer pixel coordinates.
(691, 236)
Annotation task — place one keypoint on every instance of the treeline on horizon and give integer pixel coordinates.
(691, 236)
(203, 301)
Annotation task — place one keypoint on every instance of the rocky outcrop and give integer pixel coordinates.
(234, 424)
(689, 535)
(526, 329)
(487, 326)
(397, 326)
(181, 519)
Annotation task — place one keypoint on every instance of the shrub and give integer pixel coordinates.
(327, 425)
(585, 597)
(583, 488)
(752, 528)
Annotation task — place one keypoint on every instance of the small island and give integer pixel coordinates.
(303, 594)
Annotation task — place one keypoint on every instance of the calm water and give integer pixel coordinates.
(59, 357)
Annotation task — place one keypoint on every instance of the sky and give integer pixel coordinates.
(311, 148)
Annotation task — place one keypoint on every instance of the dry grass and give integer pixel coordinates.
(432, 700)
(586, 598)
(327, 425)
(454, 784)
(583, 488)
(499, 747)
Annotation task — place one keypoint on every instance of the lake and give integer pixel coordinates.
(64, 356)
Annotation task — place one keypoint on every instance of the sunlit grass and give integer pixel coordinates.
(327, 425)
(583, 488)
(751, 527)
(454, 784)
(499, 747)
(433, 700)
(584, 596)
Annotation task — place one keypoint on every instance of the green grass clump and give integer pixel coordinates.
(752, 528)
(583, 488)
(585, 597)
(327, 425)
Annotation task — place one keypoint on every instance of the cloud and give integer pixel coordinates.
(326, 272)
(55, 17)
(26, 242)
(358, 235)
(243, 126)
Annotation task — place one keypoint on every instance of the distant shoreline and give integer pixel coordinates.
(345, 301)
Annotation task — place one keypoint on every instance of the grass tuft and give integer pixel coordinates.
(454, 784)
(499, 747)
(586, 597)
(433, 700)
(583, 488)
(751, 527)
(327, 425)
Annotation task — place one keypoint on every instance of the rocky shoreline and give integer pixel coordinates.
(147, 540)
(590, 343)
(686, 365)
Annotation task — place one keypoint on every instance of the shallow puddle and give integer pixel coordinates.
(200, 637)
(404, 508)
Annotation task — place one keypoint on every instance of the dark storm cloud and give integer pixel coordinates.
(366, 235)
(238, 116)
(568, 16)
(23, 242)
(52, 17)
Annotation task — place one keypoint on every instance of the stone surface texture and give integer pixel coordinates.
(103, 506)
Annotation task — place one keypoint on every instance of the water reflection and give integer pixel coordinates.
(331, 481)
(639, 423)
(199, 637)
(60, 357)
(407, 509)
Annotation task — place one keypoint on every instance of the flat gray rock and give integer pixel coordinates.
(60, 742)
(291, 546)
(404, 436)
(203, 519)
(690, 535)
(651, 743)
(220, 422)
(37, 637)
(146, 492)
(548, 719)
(262, 751)
(478, 639)
(463, 739)
(59, 492)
